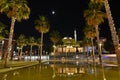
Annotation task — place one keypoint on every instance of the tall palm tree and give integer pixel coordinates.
(55, 38)
(90, 34)
(3, 34)
(31, 42)
(112, 28)
(16, 10)
(86, 42)
(42, 25)
(38, 43)
(21, 42)
(94, 17)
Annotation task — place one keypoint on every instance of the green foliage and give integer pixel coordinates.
(15, 8)
(89, 32)
(94, 15)
(86, 42)
(21, 41)
(55, 37)
(38, 41)
(42, 24)
(3, 31)
(31, 41)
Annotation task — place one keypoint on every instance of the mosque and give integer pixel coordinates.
(72, 45)
(69, 45)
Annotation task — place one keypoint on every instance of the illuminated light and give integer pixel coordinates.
(67, 38)
(36, 57)
(70, 73)
(77, 62)
(15, 73)
(53, 12)
(77, 56)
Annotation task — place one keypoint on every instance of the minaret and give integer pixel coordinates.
(75, 35)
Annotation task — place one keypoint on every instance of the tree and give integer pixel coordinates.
(31, 42)
(94, 17)
(55, 38)
(113, 30)
(90, 34)
(3, 34)
(21, 42)
(38, 43)
(112, 27)
(16, 10)
(42, 25)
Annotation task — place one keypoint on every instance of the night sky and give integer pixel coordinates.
(68, 16)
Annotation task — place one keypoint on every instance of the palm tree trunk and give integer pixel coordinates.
(113, 30)
(98, 41)
(41, 46)
(38, 52)
(21, 53)
(30, 52)
(93, 52)
(9, 46)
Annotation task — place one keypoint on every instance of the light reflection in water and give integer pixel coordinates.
(64, 71)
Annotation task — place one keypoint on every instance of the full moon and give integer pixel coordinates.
(53, 12)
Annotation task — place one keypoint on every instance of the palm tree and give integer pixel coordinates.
(43, 26)
(31, 42)
(90, 34)
(94, 17)
(38, 43)
(55, 38)
(112, 28)
(3, 34)
(16, 10)
(113, 31)
(21, 42)
(85, 42)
